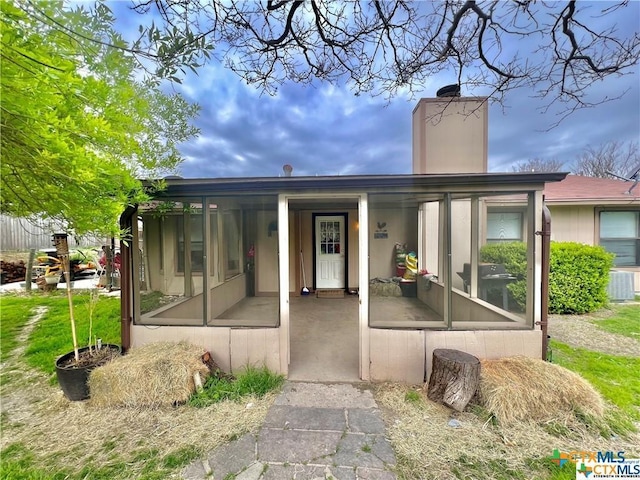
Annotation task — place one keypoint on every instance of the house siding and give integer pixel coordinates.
(484, 344)
(232, 348)
(574, 223)
(579, 223)
(397, 355)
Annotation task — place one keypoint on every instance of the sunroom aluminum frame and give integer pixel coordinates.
(449, 186)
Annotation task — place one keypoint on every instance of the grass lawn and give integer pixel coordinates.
(626, 321)
(14, 314)
(616, 378)
(59, 440)
(51, 336)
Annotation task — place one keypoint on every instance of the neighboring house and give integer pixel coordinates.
(598, 211)
(594, 211)
(236, 253)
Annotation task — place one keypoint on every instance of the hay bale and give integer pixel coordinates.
(519, 389)
(154, 375)
(384, 289)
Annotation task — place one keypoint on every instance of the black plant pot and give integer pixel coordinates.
(74, 379)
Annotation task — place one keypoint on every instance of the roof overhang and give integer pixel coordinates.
(440, 183)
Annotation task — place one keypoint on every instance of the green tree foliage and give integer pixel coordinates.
(78, 126)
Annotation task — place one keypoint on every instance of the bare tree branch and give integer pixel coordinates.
(621, 159)
(539, 165)
(556, 50)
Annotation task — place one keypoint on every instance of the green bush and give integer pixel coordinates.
(578, 274)
(513, 255)
(578, 278)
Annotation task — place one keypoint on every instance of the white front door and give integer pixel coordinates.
(330, 251)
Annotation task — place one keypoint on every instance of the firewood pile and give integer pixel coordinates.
(12, 271)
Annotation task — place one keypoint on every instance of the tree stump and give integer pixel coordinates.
(454, 378)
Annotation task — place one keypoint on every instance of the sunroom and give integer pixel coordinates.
(305, 274)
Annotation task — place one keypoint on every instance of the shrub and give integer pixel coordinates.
(578, 277)
(578, 274)
(513, 255)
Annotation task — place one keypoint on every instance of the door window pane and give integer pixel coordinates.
(329, 237)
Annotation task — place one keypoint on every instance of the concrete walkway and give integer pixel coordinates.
(312, 432)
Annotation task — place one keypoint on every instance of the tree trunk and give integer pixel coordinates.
(454, 378)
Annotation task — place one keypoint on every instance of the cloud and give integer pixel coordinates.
(324, 129)
(523, 132)
(318, 129)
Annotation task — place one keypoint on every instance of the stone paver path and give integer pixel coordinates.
(312, 432)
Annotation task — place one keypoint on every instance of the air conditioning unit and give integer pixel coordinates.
(620, 286)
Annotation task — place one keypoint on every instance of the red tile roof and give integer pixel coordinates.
(587, 190)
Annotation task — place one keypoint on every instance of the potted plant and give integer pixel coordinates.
(73, 368)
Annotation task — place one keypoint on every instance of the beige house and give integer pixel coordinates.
(238, 255)
(599, 211)
(594, 211)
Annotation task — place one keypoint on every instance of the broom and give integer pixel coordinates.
(304, 290)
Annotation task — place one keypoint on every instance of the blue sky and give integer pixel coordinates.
(324, 129)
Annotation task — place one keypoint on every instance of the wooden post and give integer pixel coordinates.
(108, 265)
(67, 277)
(454, 378)
(29, 271)
(62, 250)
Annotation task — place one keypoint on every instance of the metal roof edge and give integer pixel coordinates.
(230, 184)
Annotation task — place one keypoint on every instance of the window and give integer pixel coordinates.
(620, 234)
(330, 237)
(504, 227)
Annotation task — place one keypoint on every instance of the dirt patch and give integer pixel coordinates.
(582, 331)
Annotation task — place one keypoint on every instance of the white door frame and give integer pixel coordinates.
(342, 256)
(363, 275)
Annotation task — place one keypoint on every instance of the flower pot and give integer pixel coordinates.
(52, 279)
(73, 378)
